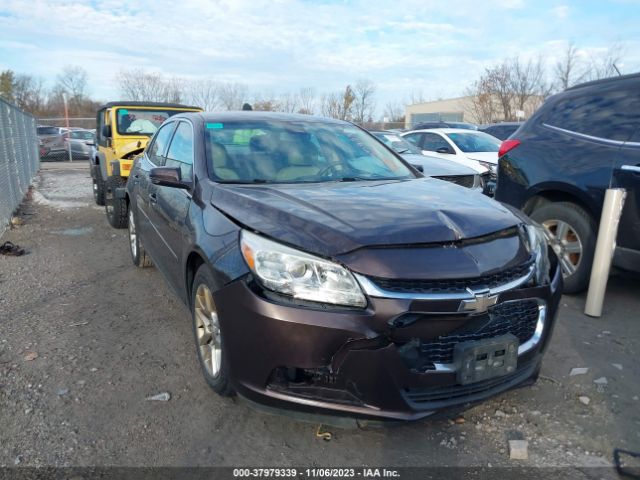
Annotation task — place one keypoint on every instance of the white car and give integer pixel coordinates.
(470, 148)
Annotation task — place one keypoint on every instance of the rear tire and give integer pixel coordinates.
(139, 255)
(572, 233)
(116, 208)
(208, 336)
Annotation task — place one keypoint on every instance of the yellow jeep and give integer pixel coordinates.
(123, 130)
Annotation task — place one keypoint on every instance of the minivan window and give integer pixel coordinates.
(47, 130)
(609, 112)
(270, 151)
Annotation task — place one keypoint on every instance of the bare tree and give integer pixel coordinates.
(482, 104)
(605, 65)
(7, 80)
(233, 95)
(338, 104)
(363, 100)
(29, 94)
(416, 96)
(569, 70)
(307, 99)
(394, 111)
(138, 85)
(205, 94)
(527, 81)
(288, 102)
(73, 81)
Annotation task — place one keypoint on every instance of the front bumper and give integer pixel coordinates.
(353, 362)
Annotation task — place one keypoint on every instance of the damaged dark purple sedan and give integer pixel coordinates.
(324, 274)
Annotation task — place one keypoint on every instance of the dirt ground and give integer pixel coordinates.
(85, 338)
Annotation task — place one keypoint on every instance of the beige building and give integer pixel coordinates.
(461, 109)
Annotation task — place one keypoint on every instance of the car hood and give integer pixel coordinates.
(483, 156)
(437, 167)
(334, 218)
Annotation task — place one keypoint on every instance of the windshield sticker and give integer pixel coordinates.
(214, 125)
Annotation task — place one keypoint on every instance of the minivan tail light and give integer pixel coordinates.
(507, 146)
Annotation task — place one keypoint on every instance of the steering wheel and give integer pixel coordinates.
(331, 168)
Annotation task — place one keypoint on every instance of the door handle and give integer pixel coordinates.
(631, 168)
(153, 198)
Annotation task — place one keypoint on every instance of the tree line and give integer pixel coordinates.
(500, 93)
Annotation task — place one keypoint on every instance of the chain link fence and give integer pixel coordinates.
(19, 158)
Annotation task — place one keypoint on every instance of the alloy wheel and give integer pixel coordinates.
(566, 243)
(208, 331)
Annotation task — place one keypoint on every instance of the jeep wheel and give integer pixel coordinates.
(208, 334)
(98, 191)
(138, 253)
(571, 233)
(116, 208)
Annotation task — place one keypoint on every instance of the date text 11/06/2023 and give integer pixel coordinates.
(315, 473)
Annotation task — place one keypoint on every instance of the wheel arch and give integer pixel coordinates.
(556, 193)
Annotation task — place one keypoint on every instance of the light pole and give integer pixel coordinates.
(66, 120)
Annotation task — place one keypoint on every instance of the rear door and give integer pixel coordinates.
(169, 211)
(627, 176)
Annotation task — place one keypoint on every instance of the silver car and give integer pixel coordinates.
(431, 166)
(81, 142)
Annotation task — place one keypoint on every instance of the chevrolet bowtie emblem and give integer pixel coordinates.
(480, 302)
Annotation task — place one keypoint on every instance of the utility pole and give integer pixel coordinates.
(66, 121)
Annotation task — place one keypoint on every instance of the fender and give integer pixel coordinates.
(102, 165)
(561, 187)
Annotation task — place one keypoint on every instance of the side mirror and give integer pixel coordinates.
(420, 168)
(168, 177)
(445, 150)
(106, 131)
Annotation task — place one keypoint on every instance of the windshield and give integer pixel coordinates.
(475, 142)
(141, 122)
(397, 143)
(296, 152)
(82, 134)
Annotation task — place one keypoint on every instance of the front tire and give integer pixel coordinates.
(139, 255)
(98, 190)
(116, 208)
(208, 334)
(571, 233)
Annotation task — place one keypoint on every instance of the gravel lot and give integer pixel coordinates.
(85, 338)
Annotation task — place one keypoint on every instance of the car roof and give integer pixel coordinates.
(234, 116)
(603, 81)
(127, 103)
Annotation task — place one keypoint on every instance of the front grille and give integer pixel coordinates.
(457, 285)
(462, 180)
(518, 317)
(463, 393)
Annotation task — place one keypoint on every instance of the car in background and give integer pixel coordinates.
(81, 143)
(324, 274)
(477, 150)
(502, 130)
(561, 161)
(432, 166)
(462, 125)
(53, 142)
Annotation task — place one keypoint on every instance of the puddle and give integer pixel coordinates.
(73, 232)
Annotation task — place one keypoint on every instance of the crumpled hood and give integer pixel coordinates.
(334, 218)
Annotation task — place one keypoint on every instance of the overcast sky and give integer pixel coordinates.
(437, 47)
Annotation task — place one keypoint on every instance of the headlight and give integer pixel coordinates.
(537, 243)
(492, 167)
(291, 272)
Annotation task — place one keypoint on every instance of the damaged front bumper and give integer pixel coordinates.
(393, 360)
